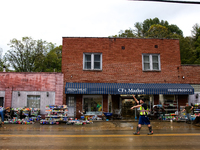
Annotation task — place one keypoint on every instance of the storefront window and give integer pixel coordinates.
(170, 104)
(92, 105)
(33, 101)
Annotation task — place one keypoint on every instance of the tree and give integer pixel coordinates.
(53, 60)
(4, 64)
(196, 31)
(174, 29)
(138, 29)
(151, 28)
(187, 50)
(157, 31)
(126, 33)
(27, 55)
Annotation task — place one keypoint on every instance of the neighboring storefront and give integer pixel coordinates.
(195, 98)
(34, 90)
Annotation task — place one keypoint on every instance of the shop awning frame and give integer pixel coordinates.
(129, 88)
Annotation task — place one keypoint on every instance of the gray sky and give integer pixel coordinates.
(50, 20)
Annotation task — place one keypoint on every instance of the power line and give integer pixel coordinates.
(172, 1)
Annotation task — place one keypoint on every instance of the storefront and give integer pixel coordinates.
(106, 97)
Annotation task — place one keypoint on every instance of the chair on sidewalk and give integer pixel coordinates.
(117, 114)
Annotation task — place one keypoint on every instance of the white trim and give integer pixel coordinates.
(151, 62)
(92, 60)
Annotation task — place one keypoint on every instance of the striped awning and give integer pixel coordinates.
(128, 88)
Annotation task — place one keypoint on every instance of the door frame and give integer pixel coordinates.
(67, 103)
(2, 101)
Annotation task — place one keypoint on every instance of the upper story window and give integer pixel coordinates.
(151, 62)
(92, 61)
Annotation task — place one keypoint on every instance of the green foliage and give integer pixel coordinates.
(30, 55)
(126, 33)
(155, 28)
(196, 31)
(3, 64)
(53, 60)
(157, 31)
(152, 28)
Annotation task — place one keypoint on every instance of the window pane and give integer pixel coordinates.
(70, 101)
(146, 58)
(93, 106)
(146, 66)
(97, 58)
(96, 65)
(155, 58)
(87, 65)
(87, 58)
(155, 66)
(33, 101)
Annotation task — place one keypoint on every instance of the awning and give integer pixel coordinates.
(128, 88)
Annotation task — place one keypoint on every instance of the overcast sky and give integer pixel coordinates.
(50, 20)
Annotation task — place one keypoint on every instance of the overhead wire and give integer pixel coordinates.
(172, 1)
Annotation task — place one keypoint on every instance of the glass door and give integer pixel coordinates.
(71, 106)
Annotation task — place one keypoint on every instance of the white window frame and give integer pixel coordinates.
(92, 61)
(151, 62)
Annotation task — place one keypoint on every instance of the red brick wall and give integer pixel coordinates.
(191, 74)
(120, 66)
(31, 82)
(79, 106)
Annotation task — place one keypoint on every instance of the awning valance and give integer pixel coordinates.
(128, 88)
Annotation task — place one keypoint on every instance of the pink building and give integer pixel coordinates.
(31, 89)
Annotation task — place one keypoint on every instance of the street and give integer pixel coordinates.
(110, 135)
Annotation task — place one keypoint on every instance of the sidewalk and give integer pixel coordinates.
(118, 125)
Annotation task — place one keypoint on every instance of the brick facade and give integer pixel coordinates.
(191, 74)
(122, 63)
(125, 66)
(10, 81)
(121, 66)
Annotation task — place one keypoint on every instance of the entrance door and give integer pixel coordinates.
(1, 101)
(71, 106)
(127, 112)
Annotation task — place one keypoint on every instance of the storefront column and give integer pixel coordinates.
(161, 99)
(105, 103)
(110, 103)
(79, 106)
(151, 101)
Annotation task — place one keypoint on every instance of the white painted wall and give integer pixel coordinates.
(21, 101)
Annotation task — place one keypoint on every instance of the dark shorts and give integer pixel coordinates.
(144, 120)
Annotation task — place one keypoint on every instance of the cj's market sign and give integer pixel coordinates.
(126, 90)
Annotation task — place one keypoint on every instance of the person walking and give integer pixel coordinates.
(2, 114)
(143, 119)
(188, 110)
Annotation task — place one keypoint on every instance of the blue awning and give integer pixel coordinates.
(128, 88)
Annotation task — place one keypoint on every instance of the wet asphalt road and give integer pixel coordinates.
(112, 135)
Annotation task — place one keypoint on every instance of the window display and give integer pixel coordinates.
(92, 105)
(170, 104)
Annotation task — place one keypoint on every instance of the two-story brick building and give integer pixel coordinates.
(101, 74)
